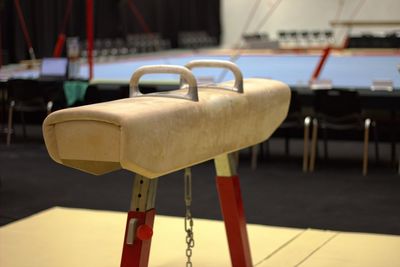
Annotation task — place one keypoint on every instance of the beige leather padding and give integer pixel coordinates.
(153, 135)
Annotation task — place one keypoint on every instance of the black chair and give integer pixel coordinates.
(102, 92)
(3, 104)
(295, 120)
(305, 35)
(25, 96)
(282, 35)
(338, 110)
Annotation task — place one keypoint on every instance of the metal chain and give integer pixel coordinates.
(188, 216)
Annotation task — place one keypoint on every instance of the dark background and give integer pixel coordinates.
(112, 19)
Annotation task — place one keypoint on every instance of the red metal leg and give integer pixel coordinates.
(230, 199)
(137, 241)
(139, 226)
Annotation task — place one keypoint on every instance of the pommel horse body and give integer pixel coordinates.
(156, 134)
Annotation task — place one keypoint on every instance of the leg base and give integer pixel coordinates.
(136, 248)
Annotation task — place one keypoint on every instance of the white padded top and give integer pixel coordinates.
(154, 136)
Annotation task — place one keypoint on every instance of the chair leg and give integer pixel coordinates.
(393, 147)
(367, 125)
(325, 133)
(254, 155)
(10, 122)
(307, 122)
(266, 144)
(398, 171)
(236, 157)
(314, 139)
(376, 141)
(287, 148)
(49, 107)
(23, 124)
(262, 150)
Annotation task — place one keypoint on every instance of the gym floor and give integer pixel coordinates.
(336, 196)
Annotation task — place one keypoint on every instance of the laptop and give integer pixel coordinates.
(53, 69)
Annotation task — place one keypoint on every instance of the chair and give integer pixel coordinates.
(283, 37)
(24, 96)
(297, 120)
(340, 110)
(305, 38)
(294, 120)
(328, 37)
(102, 92)
(3, 88)
(293, 37)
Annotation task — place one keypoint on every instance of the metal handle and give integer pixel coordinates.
(185, 73)
(220, 64)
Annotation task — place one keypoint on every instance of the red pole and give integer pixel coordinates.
(24, 29)
(138, 16)
(61, 36)
(59, 45)
(321, 63)
(89, 35)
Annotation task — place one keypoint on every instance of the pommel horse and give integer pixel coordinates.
(156, 134)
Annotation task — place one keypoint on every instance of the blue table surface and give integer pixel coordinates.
(293, 69)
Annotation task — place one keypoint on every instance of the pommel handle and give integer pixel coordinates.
(220, 64)
(185, 73)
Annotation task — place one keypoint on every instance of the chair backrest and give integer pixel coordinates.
(23, 90)
(337, 102)
(97, 93)
(295, 104)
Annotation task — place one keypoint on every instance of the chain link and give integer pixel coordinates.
(188, 217)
